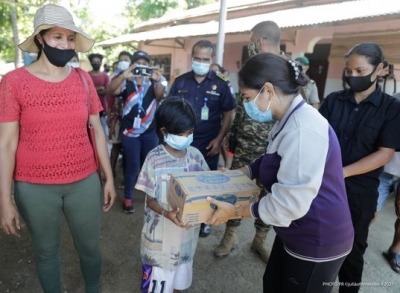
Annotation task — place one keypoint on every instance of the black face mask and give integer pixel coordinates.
(95, 66)
(359, 83)
(58, 57)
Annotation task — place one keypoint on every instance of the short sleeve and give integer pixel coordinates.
(172, 92)
(388, 138)
(203, 163)
(107, 80)
(146, 180)
(95, 103)
(229, 101)
(9, 107)
(325, 108)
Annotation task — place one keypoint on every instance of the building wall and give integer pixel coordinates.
(297, 43)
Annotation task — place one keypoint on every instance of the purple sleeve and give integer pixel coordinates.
(254, 210)
(255, 167)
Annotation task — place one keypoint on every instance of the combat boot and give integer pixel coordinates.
(228, 242)
(259, 244)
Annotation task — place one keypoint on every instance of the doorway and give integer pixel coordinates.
(318, 70)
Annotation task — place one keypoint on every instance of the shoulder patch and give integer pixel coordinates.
(222, 76)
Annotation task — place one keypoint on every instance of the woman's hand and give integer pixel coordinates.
(128, 74)
(223, 213)
(110, 195)
(173, 217)
(9, 220)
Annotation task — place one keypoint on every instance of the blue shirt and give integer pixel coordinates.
(215, 89)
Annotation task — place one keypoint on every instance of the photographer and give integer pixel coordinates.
(141, 92)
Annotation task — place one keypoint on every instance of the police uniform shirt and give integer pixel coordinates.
(214, 92)
(361, 129)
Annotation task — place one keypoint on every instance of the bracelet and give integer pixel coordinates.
(163, 213)
(237, 211)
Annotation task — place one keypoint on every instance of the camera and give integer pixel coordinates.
(142, 70)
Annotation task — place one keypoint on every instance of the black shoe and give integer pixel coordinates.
(204, 230)
(128, 209)
(393, 259)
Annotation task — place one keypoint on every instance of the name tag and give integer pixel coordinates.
(204, 113)
(213, 93)
(137, 122)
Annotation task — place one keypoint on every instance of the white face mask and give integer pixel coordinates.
(73, 64)
(178, 142)
(123, 65)
(200, 68)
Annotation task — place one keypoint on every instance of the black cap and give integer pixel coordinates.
(140, 54)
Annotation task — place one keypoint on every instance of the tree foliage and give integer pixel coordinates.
(24, 11)
(196, 3)
(146, 9)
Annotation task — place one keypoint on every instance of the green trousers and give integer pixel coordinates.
(42, 207)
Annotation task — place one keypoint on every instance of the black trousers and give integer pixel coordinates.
(362, 208)
(287, 274)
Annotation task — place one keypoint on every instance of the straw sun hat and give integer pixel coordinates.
(50, 16)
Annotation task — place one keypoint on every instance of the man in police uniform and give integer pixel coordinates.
(250, 137)
(210, 95)
(309, 91)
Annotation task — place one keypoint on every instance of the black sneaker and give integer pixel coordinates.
(128, 209)
(204, 230)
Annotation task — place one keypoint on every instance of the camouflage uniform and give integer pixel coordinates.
(249, 144)
(251, 137)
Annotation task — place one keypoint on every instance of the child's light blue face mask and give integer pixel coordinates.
(178, 142)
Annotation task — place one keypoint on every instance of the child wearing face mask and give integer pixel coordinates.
(168, 245)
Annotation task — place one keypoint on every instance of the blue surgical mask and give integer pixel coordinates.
(200, 68)
(123, 65)
(255, 113)
(178, 142)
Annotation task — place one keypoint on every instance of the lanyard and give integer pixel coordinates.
(284, 123)
(140, 95)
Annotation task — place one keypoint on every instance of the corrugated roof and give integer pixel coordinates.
(296, 17)
(326, 13)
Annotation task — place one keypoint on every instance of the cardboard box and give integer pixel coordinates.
(189, 192)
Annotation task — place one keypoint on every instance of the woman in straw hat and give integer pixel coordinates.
(44, 148)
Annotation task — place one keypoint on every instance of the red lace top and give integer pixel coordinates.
(53, 146)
